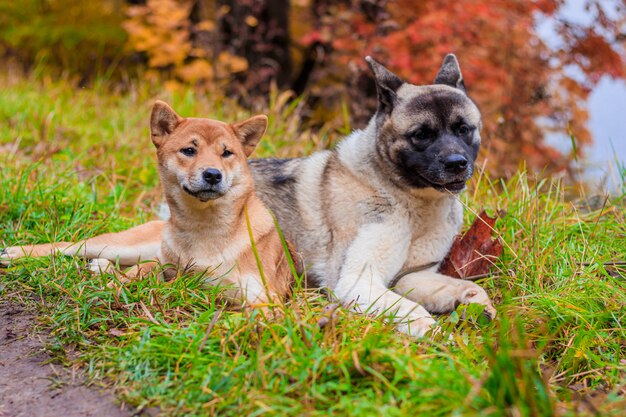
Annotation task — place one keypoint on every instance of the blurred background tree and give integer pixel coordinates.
(74, 37)
(525, 89)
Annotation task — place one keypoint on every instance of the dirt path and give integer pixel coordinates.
(29, 387)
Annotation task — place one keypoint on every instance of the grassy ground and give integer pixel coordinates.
(77, 163)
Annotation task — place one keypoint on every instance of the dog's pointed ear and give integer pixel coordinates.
(387, 84)
(163, 121)
(450, 73)
(250, 132)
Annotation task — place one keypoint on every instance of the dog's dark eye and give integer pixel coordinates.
(188, 151)
(423, 134)
(226, 153)
(464, 130)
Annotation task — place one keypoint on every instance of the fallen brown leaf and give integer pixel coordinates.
(475, 252)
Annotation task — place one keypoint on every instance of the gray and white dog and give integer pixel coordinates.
(385, 200)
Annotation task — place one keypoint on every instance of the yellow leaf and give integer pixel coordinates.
(232, 63)
(223, 10)
(206, 25)
(198, 53)
(196, 70)
(172, 86)
(251, 21)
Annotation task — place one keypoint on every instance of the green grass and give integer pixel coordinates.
(79, 162)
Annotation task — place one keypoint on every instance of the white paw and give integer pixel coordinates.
(477, 295)
(8, 254)
(100, 266)
(11, 252)
(418, 327)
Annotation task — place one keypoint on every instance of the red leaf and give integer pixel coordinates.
(475, 252)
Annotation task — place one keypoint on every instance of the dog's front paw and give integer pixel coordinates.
(100, 266)
(477, 295)
(10, 253)
(418, 327)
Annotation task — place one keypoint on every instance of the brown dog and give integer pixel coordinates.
(210, 192)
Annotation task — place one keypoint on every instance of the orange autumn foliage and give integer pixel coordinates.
(164, 31)
(524, 88)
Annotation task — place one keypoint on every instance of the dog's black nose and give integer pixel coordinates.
(212, 176)
(455, 163)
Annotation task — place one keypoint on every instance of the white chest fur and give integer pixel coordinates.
(434, 224)
(217, 255)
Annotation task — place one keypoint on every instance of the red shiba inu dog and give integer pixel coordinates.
(211, 196)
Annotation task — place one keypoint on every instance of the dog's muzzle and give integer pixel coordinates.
(448, 183)
(205, 194)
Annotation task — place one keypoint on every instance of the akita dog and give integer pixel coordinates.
(210, 194)
(384, 202)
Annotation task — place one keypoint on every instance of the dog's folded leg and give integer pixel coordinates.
(371, 261)
(442, 294)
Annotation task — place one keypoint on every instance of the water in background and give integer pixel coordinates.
(606, 159)
(604, 165)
